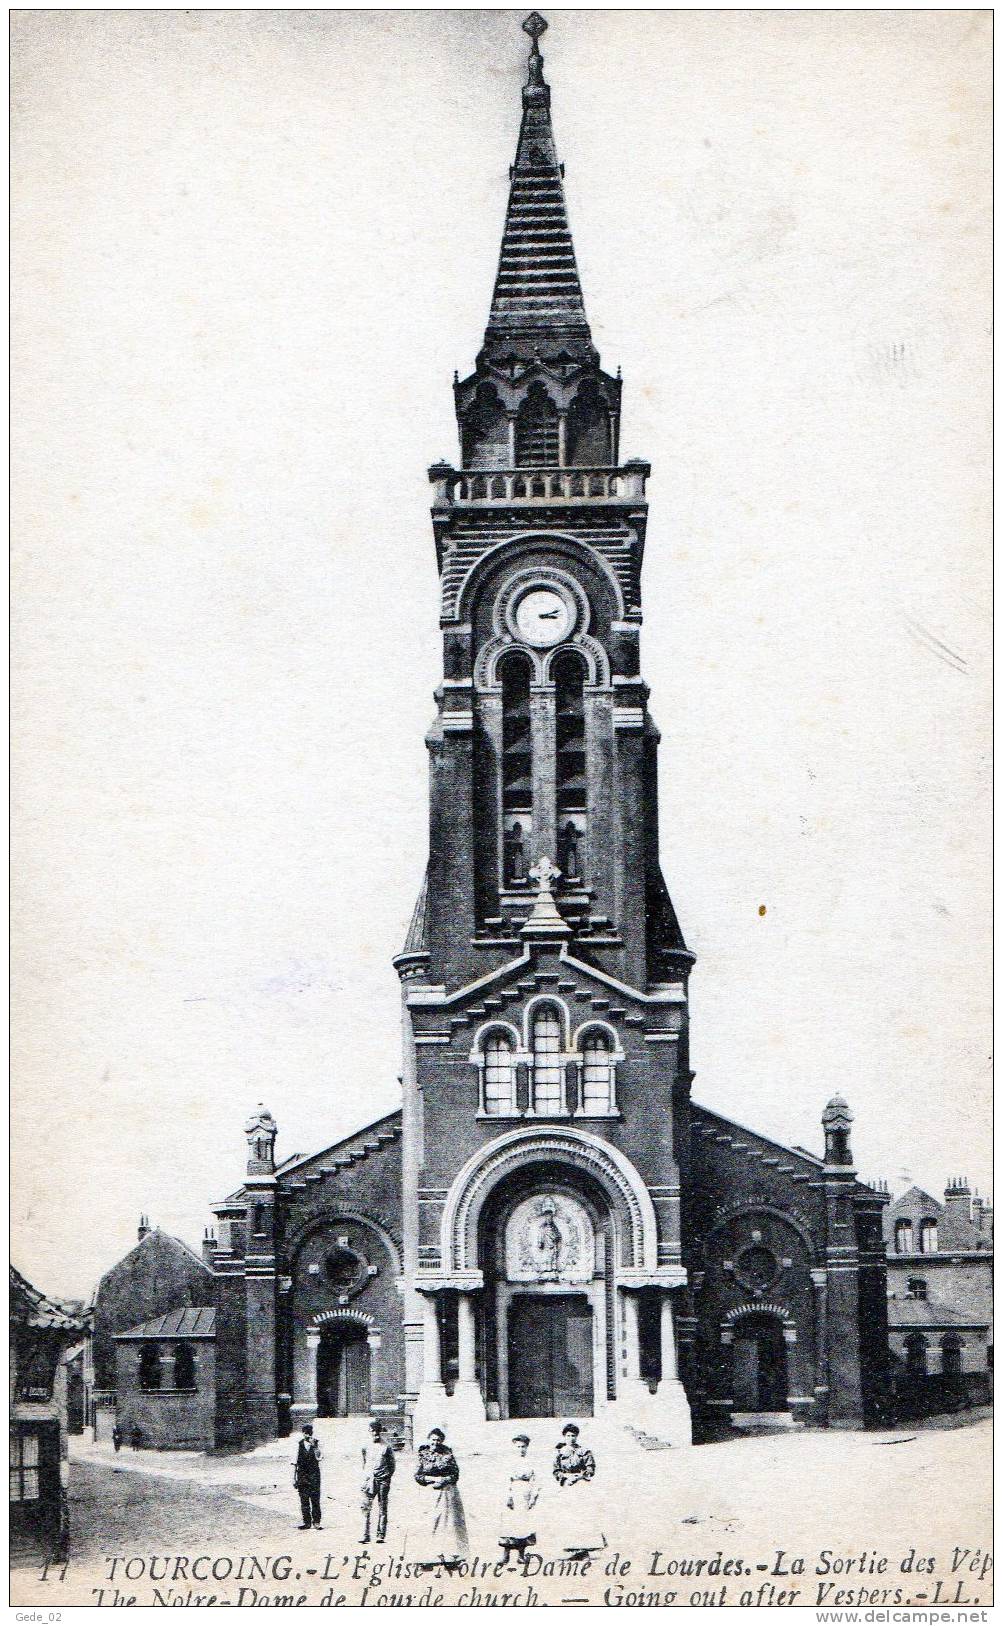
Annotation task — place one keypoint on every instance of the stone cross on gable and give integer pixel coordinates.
(544, 873)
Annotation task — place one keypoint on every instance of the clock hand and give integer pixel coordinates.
(549, 615)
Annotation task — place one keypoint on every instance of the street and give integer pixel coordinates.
(827, 1519)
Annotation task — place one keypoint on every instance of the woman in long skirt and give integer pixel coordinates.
(438, 1470)
(576, 1512)
(518, 1521)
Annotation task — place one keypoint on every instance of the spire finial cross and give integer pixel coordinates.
(535, 25)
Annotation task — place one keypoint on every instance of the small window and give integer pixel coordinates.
(915, 1355)
(916, 1288)
(149, 1367)
(184, 1366)
(928, 1236)
(260, 1219)
(499, 1076)
(950, 1355)
(597, 1074)
(903, 1236)
(24, 1467)
(548, 1068)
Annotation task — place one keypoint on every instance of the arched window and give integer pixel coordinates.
(928, 1236)
(548, 1068)
(916, 1288)
(571, 786)
(184, 1366)
(517, 772)
(903, 1236)
(499, 1076)
(950, 1355)
(915, 1355)
(597, 1074)
(149, 1366)
(536, 432)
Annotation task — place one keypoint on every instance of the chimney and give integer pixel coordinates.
(208, 1246)
(978, 1205)
(144, 1226)
(958, 1198)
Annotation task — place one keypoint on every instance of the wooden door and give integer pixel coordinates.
(759, 1371)
(550, 1356)
(353, 1378)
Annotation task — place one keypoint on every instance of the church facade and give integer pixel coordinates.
(550, 1226)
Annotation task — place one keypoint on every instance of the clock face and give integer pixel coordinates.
(543, 617)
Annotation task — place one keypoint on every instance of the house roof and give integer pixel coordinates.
(199, 1321)
(921, 1314)
(31, 1308)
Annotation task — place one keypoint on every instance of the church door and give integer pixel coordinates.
(550, 1356)
(759, 1374)
(343, 1373)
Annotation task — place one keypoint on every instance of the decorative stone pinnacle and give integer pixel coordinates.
(535, 25)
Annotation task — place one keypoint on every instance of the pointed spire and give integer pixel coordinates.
(537, 308)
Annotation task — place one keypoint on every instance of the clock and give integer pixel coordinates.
(543, 617)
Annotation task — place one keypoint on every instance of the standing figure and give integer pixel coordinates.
(379, 1462)
(306, 1478)
(136, 1437)
(548, 1241)
(116, 1439)
(577, 1513)
(518, 1525)
(515, 853)
(438, 1470)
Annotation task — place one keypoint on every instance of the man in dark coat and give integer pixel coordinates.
(380, 1464)
(306, 1478)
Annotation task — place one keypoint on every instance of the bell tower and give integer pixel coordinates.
(543, 746)
(546, 1075)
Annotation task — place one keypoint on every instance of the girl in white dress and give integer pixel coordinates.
(518, 1523)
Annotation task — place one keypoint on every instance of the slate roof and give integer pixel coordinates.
(538, 295)
(31, 1308)
(198, 1321)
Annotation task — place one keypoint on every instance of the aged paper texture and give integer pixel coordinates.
(605, 1217)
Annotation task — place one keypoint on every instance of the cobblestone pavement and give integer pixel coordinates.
(846, 1494)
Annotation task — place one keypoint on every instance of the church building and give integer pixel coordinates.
(550, 1226)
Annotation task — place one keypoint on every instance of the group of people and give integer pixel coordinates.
(576, 1527)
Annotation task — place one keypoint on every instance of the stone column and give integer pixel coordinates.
(631, 1339)
(465, 1408)
(668, 1341)
(467, 1337)
(562, 439)
(819, 1283)
(431, 1371)
(305, 1351)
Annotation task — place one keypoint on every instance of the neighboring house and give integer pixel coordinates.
(159, 1274)
(940, 1270)
(165, 1381)
(41, 1331)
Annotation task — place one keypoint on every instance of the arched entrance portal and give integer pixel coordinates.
(759, 1356)
(343, 1377)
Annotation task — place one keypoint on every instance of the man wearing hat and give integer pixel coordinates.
(306, 1477)
(380, 1463)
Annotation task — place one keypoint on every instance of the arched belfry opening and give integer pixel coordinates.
(588, 428)
(485, 431)
(537, 435)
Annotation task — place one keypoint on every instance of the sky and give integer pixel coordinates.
(250, 249)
